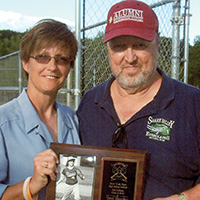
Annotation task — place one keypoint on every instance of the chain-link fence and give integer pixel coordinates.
(13, 80)
(9, 77)
(92, 64)
(95, 66)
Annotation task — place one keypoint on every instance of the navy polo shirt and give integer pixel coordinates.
(168, 128)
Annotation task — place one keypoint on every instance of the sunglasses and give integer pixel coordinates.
(119, 137)
(45, 59)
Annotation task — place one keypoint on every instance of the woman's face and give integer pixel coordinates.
(47, 70)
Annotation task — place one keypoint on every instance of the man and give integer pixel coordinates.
(140, 107)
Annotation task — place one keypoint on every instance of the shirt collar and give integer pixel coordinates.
(31, 118)
(164, 96)
(62, 116)
(103, 91)
(166, 92)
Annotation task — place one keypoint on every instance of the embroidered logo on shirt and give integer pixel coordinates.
(159, 129)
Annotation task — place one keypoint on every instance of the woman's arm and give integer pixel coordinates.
(45, 166)
(14, 192)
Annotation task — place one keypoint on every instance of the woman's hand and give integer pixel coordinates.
(45, 167)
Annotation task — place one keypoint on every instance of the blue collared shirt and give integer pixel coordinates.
(23, 135)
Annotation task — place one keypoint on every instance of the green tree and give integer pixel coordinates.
(9, 41)
(95, 66)
(194, 63)
(165, 53)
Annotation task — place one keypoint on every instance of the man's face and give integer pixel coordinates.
(133, 61)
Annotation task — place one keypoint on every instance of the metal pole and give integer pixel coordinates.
(162, 2)
(186, 39)
(176, 21)
(78, 58)
(20, 74)
(83, 52)
(69, 87)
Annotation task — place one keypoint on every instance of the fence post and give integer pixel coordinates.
(176, 21)
(69, 87)
(78, 58)
(20, 73)
(186, 39)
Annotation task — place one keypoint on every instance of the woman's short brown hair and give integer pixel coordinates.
(47, 33)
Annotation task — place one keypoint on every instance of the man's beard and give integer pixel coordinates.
(135, 82)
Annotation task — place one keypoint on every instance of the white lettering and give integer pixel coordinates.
(161, 120)
(157, 137)
(128, 14)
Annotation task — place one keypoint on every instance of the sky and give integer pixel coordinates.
(20, 15)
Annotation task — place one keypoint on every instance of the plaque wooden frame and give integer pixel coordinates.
(102, 155)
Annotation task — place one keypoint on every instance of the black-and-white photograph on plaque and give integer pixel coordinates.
(75, 179)
(97, 173)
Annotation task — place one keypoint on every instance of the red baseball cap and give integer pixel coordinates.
(131, 17)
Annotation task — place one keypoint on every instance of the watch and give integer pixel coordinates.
(182, 196)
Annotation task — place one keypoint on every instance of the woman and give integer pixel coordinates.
(69, 176)
(30, 122)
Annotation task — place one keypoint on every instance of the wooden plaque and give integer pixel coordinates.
(102, 173)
